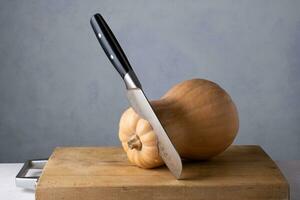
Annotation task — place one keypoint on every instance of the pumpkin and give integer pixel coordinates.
(199, 117)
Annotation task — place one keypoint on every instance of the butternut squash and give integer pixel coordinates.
(199, 117)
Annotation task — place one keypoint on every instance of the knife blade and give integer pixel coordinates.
(135, 94)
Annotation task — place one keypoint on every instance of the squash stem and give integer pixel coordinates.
(134, 142)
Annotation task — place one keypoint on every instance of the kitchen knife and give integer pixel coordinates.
(135, 94)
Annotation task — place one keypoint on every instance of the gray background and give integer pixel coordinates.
(57, 88)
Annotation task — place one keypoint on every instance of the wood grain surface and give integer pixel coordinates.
(90, 173)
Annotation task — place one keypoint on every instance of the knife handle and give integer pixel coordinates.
(114, 51)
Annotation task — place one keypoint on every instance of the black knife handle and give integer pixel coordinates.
(112, 47)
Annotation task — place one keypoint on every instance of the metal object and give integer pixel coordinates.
(29, 182)
(135, 94)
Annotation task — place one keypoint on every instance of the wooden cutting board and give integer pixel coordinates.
(90, 173)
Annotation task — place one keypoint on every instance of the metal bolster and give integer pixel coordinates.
(131, 80)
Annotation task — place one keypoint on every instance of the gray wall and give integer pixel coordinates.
(57, 88)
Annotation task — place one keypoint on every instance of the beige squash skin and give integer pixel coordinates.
(199, 117)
